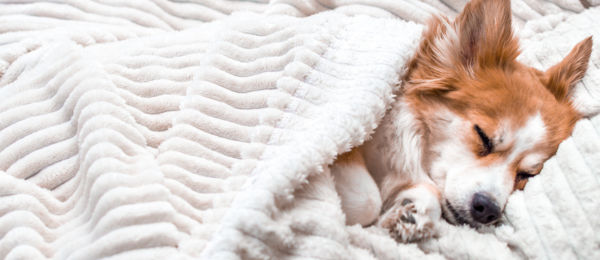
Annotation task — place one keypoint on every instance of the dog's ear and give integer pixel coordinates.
(562, 77)
(480, 36)
(485, 34)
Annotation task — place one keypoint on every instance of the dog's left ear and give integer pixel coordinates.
(485, 34)
(562, 77)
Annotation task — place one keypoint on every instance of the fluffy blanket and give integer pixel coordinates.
(203, 129)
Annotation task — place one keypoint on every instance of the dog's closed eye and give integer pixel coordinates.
(521, 179)
(488, 146)
(523, 175)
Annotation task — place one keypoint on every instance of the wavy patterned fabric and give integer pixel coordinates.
(203, 129)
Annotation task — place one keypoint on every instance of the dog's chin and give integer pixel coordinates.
(454, 215)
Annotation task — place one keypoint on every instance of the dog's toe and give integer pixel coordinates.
(408, 218)
(412, 219)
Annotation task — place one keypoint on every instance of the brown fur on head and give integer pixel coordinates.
(466, 86)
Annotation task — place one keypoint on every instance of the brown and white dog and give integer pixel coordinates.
(471, 126)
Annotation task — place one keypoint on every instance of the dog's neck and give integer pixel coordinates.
(395, 153)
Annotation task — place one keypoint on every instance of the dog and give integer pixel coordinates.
(471, 125)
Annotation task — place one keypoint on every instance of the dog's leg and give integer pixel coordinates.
(361, 200)
(413, 213)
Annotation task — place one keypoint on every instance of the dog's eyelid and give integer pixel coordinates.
(487, 142)
(524, 175)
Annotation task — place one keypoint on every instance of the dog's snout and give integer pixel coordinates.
(483, 209)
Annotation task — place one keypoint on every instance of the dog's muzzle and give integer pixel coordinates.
(484, 209)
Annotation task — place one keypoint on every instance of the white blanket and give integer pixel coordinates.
(167, 130)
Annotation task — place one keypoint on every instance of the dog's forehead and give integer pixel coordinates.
(521, 137)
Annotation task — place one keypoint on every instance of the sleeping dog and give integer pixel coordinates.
(471, 126)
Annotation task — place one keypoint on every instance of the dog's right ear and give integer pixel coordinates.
(562, 77)
(485, 35)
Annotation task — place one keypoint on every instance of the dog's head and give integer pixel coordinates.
(490, 122)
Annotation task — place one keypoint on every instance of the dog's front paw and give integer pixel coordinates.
(406, 224)
(414, 215)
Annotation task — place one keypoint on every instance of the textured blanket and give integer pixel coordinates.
(204, 129)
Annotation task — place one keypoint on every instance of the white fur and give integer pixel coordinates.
(532, 133)
(417, 203)
(460, 173)
(359, 194)
(395, 155)
(531, 162)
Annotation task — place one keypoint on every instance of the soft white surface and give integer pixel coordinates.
(137, 130)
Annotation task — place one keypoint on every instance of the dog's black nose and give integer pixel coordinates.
(483, 209)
